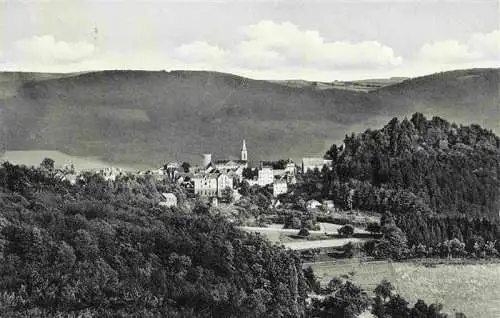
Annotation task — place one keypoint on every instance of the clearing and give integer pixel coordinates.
(471, 289)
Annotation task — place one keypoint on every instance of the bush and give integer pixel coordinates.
(303, 232)
(346, 230)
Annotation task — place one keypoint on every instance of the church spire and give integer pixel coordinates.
(244, 155)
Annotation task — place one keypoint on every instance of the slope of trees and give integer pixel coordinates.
(440, 181)
(452, 169)
(106, 249)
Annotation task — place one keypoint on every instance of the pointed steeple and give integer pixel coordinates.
(244, 155)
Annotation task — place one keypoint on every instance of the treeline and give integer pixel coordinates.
(106, 249)
(452, 169)
(417, 236)
(340, 298)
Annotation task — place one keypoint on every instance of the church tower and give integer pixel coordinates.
(244, 156)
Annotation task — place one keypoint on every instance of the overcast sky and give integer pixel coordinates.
(315, 40)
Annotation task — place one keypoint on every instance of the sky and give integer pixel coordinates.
(318, 40)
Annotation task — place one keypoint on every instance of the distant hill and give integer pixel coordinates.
(365, 85)
(464, 96)
(139, 117)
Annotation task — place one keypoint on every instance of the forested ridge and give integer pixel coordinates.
(452, 169)
(437, 181)
(103, 249)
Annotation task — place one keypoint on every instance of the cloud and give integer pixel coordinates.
(264, 50)
(47, 49)
(447, 52)
(200, 51)
(269, 44)
(480, 47)
(488, 44)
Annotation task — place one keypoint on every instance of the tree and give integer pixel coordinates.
(332, 153)
(249, 173)
(227, 195)
(244, 189)
(419, 310)
(384, 289)
(333, 285)
(311, 280)
(373, 228)
(397, 307)
(346, 231)
(348, 250)
(186, 166)
(394, 239)
(293, 222)
(303, 232)
(47, 163)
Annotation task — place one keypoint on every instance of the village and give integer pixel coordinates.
(215, 180)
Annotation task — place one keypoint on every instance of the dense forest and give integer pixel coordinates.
(102, 248)
(438, 181)
(452, 169)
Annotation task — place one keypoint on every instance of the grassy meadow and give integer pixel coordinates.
(471, 289)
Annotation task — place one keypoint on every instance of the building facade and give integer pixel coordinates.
(169, 200)
(280, 187)
(205, 185)
(265, 177)
(223, 182)
(310, 164)
(211, 184)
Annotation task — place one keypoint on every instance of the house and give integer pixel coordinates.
(265, 177)
(312, 205)
(310, 164)
(173, 165)
(211, 184)
(328, 205)
(169, 200)
(290, 168)
(109, 173)
(288, 175)
(280, 187)
(171, 169)
(223, 181)
(279, 173)
(205, 184)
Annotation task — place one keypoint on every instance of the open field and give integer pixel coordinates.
(277, 234)
(304, 245)
(471, 289)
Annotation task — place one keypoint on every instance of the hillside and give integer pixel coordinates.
(107, 250)
(132, 117)
(422, 166)
(463, 96)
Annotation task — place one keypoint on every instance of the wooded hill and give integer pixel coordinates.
(451, 169)
(150, 117)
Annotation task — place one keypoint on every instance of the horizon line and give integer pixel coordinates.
(241, 76)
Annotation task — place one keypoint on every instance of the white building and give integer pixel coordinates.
(223, 182)
(205, 184)
(310, 164)
(169, 200)
(211, 184)
(290, 168)
(312, 205)
(266, 176)
(280, 187)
